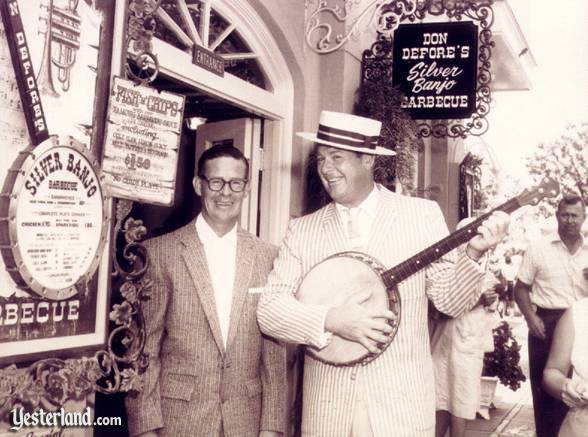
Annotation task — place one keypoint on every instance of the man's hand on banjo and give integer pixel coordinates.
(490, 233)
(366, 326)
(362, 325)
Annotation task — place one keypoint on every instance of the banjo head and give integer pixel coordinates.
(335, 280)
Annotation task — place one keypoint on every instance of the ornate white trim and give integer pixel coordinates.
(275, 104)
(383, 15)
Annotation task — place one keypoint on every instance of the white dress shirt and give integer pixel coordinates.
(221, 257)
(554, 273)
(364, 215)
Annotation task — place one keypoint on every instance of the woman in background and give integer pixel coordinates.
(458, 346)
(569, 351)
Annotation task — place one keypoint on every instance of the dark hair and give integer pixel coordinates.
(219, 151)
(571, 199)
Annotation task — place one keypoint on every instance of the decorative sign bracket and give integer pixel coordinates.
(377, 63)
(142, 66)
(384, 15)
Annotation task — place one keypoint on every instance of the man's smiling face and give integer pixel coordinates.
(347, 176)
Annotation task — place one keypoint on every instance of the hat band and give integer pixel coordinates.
(354, 139)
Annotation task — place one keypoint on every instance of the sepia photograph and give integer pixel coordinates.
(293, 218)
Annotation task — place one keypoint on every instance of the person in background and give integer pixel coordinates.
(569, 352)
(550, 279)
(458, 346)
(509, 273)
(211, 371)
(393, 394)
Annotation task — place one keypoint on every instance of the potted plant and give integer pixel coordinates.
(502, 364)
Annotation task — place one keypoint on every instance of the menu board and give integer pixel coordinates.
(43, 310)
(141, 146)
(58, 225)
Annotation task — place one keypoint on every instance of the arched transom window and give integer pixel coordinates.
(189, 23)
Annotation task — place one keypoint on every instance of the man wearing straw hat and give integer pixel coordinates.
(393, 395)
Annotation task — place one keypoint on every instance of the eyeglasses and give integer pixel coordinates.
(217, 184)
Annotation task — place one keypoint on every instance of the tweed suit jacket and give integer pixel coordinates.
(192, 383)
(399, 383)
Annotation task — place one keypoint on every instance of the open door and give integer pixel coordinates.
(244, 134)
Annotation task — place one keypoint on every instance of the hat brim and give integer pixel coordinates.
(310, 136)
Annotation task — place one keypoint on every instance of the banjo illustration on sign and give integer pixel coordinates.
(53, 218)
(339, 277)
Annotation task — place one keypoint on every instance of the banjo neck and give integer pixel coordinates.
(548, 188)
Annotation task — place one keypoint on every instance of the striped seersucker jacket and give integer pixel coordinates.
(399, 383)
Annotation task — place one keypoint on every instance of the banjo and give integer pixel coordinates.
(334, 280)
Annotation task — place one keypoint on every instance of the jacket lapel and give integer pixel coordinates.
(243, 271)
(195, 260)
(333, 229)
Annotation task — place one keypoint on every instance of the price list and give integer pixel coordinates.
(59, 219)
(141, 147)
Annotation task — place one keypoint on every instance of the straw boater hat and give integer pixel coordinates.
(348, 132)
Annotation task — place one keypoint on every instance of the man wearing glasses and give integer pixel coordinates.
(211, 372)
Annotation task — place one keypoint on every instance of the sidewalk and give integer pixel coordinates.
(513, 415)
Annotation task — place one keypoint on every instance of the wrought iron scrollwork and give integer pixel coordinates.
(481, 12)
(50, 382)
(142, 65)
(384, 15)
(377, 63)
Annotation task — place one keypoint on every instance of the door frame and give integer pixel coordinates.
(275, 106)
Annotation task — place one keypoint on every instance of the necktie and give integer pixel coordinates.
(354, 234)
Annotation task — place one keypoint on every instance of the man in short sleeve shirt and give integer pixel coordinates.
(552, 276)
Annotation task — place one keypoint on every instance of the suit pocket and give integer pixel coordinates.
(177, 386)
(253, 387)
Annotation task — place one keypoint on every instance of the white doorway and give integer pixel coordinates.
(187, 24)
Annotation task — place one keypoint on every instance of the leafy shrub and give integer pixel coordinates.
(503, 362)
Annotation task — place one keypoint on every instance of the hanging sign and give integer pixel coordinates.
(435, 65)
(53, 220)
(209, 60)
(24, 71)
(141, 146)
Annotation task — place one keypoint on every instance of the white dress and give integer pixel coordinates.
(458, 348)
(576, 421)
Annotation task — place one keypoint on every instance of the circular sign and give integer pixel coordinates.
(55, 218)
